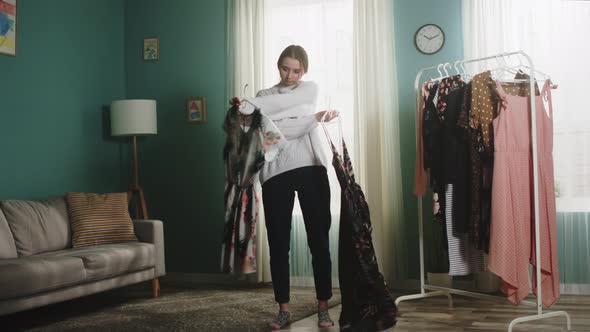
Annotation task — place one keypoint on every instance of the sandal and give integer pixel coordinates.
(283, 319)
(324, 319)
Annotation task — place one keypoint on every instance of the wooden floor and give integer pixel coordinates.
(469, 314)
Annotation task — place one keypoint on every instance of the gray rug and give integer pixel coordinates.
(179, 308)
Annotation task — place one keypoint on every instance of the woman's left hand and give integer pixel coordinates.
(326, 116)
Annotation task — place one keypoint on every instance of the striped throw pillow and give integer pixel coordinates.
(99, 219)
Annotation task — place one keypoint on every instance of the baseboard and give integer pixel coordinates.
(414, 284)
(575, 289)
(227, 279)
(209, 278)
(409, 284)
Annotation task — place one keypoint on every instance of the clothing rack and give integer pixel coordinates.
(439, 291)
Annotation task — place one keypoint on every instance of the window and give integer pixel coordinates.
(563, 54)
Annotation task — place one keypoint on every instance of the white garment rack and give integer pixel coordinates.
(438, 291)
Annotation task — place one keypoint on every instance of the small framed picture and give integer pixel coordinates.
(196, 109)
(151, 49)
(8, 27)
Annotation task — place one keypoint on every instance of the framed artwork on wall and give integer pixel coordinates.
(196, 109)
(8, 27)
(151, 49)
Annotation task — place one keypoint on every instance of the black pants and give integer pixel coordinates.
(313, 191)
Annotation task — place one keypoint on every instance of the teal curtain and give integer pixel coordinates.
(573, 231)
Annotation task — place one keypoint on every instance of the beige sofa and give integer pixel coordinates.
(38, 265)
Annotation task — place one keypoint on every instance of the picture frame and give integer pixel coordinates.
(8, 35)
(196, 110)
(151, 49)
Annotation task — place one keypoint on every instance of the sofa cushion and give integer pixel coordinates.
(38, 226)
(109, 260)
(7, 246)
(99, 219)
(33, 274)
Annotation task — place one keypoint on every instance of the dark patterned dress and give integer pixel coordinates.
(431, 137)
(366, 302)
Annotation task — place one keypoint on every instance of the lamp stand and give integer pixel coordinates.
(136, 189)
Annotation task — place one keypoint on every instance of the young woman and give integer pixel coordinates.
(301, 168)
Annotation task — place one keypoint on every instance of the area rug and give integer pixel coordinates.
(180, 307)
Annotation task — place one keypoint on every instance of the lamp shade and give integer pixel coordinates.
(133, 117)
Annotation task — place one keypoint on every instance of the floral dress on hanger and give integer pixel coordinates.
(246, 150)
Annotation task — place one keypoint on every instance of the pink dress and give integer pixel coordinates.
(512, 233)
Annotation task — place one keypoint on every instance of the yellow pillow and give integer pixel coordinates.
(99, 219)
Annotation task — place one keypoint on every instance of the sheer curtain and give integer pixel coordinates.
(245, 45)
(377, 139)
(491, 27)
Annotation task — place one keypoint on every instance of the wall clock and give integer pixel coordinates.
(429, 38)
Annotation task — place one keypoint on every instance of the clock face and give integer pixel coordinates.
(429, 39)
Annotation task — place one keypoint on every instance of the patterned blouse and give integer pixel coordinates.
(483, 107)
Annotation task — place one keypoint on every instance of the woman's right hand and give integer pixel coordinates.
(244, 106)
(326, 116)
(235, 101)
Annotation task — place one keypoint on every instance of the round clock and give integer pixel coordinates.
(429, 38)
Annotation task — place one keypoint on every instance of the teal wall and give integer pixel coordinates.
(409, 16)
(181, 168)
(69, 65)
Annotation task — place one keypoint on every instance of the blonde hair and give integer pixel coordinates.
(296, 52)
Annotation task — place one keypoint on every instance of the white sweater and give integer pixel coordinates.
(292, 109)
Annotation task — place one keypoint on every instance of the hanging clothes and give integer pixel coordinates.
(463, 258)
(366, 302)
(429, 158)
(454, 151)
(512, 241)
(440, 147)
(247, 148)
(419, 167)
(431, 138)
(483, 105)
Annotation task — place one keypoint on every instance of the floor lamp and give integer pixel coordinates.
(134, 117)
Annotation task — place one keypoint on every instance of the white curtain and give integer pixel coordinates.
(376, 121)
(245, 27)
(245, 54)
(554, 34)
